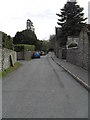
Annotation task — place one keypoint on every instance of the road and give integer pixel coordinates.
(42, 89)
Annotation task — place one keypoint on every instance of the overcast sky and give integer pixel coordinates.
(14, 14)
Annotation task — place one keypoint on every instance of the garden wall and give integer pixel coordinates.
(0, 59)
(62, 53)
(79, 55)
(26, 55)
(7, 58)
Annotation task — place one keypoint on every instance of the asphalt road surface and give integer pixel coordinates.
(42, 89)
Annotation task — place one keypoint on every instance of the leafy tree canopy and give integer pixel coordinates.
(30, 25)
(25, 37)
(28, 37)
(7, 41)
(42, 45)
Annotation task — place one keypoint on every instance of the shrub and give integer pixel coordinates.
(72, 45)
(24, 47)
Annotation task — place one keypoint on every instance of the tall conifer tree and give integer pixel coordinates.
(71, 19)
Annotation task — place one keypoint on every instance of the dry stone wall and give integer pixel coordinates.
(25, 55)
(5, 55)
(79, 55)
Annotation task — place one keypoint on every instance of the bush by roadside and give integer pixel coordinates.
(23, 47)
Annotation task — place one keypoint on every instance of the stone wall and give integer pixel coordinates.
(20, 55)
(0, 59)
(62, 53)
(57, 40)
(26, 55)
(74, 56)
(6, 57)
(89, 52)
(79, 55)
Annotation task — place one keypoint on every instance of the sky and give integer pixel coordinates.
(14, 14)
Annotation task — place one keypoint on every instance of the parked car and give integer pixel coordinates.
(42, 53)
(36, 55)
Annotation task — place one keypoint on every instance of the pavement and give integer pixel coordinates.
(80, 74)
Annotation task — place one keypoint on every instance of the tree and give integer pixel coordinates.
(71, 20)
(7, 41)
(42, 45)
(39, 45)
(29, 25)
(45, 46)
(25, 37)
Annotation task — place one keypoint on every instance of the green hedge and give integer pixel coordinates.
(23, 47)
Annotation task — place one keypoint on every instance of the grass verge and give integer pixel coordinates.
(9, 70)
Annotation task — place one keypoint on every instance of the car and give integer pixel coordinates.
(36, 55)
(42, 53)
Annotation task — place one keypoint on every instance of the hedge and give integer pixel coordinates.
(24, 47)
